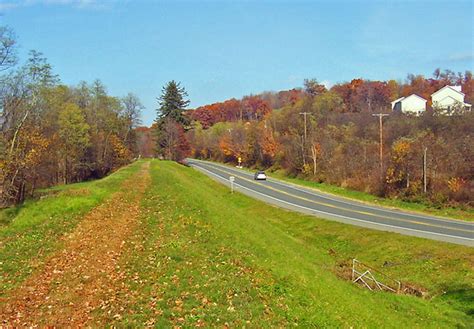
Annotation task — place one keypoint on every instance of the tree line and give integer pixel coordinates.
(54, 134)
(339, 143)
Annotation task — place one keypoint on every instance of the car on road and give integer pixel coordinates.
(260, 175)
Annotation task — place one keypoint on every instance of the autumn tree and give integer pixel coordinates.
(313, 88)
(171, 122)
(253, 108)
(131, 114)
(233, 142)
(8, 56)
(145, 141)
(52, 133)
(174, 144)
(328, 102)
(268, 144)
(74, 137)
(23, 138)
(40, 71)
(342, 144)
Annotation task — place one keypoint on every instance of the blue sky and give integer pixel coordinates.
(224, 49)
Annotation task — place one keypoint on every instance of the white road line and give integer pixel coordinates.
(340, 216)
(361, 205)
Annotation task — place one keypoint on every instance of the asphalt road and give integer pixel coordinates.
(309, 201)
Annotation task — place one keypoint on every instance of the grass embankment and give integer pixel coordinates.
(198, 255)
(450, 212)
(203, 256)
(31, 232)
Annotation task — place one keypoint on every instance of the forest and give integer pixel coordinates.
(332, 136)
(56, 134)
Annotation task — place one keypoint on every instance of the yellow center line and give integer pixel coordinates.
(338, 207)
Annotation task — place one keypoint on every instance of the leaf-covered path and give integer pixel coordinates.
(167, 247)
(85, 274)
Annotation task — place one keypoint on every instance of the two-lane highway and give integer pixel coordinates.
(331, 207)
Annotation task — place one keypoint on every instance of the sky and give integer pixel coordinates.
(224, 49)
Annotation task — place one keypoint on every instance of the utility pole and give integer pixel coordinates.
(305, 128)
(381, 115)
(305, 135)
(424, 169)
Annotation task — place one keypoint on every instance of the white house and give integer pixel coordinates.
(449, 97)
(413, 104)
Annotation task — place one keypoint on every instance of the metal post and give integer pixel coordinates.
(231, 179)
(353, 269)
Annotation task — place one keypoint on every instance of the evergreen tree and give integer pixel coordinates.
(172, 104)
(172, 121)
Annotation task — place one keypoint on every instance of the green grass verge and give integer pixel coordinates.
(30, 232)
(203, 256)
(450, 212)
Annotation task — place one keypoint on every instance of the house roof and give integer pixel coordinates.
(450, 87)
(450, 97)
(397, 100)
(464, 104)
(412, 95)
(415, 95)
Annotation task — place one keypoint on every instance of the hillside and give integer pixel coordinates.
(160, 244)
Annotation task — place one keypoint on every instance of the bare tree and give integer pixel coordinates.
(8, 56)
(132, 108)
(173, 141)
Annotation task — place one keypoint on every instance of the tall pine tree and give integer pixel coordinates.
(173, 103)
(172, 121)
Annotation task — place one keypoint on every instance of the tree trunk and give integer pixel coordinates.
(17, 131)
(66, 172)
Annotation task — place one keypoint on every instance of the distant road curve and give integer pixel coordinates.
(309, 201)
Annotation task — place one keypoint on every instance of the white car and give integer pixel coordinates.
(260, 175)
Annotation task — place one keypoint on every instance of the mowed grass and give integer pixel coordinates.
(201, 256)
(32, 231)
(451, 212)
(205, 257)
(466, 213)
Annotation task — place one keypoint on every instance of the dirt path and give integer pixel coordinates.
(85, 275)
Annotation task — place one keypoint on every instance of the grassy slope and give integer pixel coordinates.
(203, 256)
(31, 232)
(450, 212)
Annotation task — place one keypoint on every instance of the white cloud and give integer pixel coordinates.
(461, 57)
(293, 79)
(79, 4)
(8, 6)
